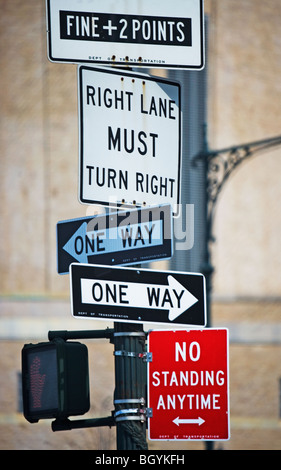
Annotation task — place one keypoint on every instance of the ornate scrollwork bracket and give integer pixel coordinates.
(220, 164)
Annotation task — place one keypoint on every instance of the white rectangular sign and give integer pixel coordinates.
(130, 138)
(158, 33)
(105, 292)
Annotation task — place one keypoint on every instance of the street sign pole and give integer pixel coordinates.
(130, 386)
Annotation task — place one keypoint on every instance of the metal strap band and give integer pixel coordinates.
(130, 400)
(126, 411)
(147, 356)
(130, 418)
(125, 353)
(139, 414)
(129, 333)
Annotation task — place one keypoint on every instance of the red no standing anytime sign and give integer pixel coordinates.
(188, 385)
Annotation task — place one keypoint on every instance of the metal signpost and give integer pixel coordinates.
(117, 238)
(188, 385)
(130, 156)
(137, 295)
(130, 138)
(150, 33)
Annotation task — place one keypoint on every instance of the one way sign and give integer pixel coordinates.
(116, 238)
(137, 295)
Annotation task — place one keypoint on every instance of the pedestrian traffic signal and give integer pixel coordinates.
(55, 380)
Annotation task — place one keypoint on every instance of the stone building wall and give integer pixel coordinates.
(39, 185)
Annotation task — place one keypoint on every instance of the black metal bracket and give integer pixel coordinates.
(124, 414)
(81, 334)
(68, 425)
(220, 164)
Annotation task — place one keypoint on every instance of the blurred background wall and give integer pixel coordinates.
(39, 185)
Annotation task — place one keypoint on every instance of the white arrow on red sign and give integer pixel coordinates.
(179, 421)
